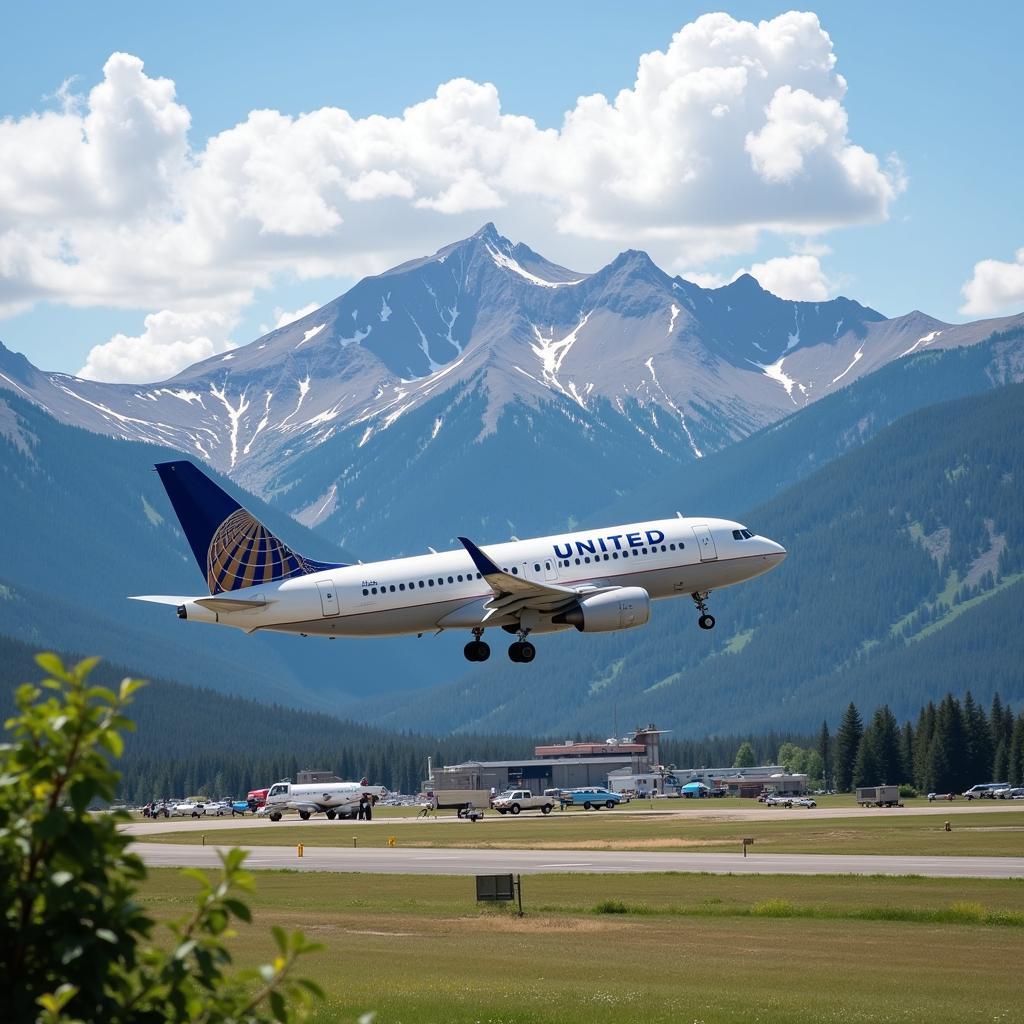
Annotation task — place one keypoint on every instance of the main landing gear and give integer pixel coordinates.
(706, 620)
(476, 649)
(522, 651)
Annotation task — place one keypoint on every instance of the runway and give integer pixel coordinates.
(400, 861)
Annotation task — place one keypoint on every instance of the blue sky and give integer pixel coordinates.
(929, 84)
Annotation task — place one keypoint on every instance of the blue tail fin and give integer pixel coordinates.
(233, 549)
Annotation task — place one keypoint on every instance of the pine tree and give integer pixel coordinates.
(866, 770)
(924, 734)
(907, 752)
(1016, 768)
(825, 753)
(978, 762)
(847, 741)
(885, 738)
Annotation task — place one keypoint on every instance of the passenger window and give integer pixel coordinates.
(672, 547)
(625, 554)
(451, 579)
(459, 577)
(392, 588)
(366, 593)
(615, 554)
(430, 583)
(515, 571)
(547, 565)
(374, 590)
(577, 561)
(401, 586)
(421, 584)
(662, 547)
(536, 567)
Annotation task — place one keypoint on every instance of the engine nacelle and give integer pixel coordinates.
(624, 608)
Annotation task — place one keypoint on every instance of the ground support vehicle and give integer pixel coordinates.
(512, 801)
(878, 796)
(591, 798)
(985, 790)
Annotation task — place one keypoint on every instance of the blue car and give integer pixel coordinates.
(591, 798)
(239, 807)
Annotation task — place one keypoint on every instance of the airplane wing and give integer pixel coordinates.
(514, 594)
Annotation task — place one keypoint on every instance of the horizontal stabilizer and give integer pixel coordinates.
(160, 599)
(230, 604)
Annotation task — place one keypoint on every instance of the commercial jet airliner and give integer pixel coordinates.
(594, 581)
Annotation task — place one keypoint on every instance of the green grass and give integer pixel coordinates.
(658, 948)
(974, 833)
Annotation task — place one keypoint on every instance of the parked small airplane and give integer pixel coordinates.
(336, 799)
(593, 580)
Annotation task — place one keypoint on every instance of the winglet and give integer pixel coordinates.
(485, 566)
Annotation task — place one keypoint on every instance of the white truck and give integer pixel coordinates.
(878, 796)
(512, 801)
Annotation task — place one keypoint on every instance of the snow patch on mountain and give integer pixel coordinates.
(926, 340)
(234, 415)
(356, 338)
(856, 359)
(774, 371)
(675, 408)
(310, 334)
(674, 317)
(319, 510)
(437, 427)
(552, 353)
(303, 391)
(508, 263)
(262, 424)
(385, 309)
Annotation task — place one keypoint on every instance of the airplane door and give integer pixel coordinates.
(550, 570)
(328, 599)
(705, 544)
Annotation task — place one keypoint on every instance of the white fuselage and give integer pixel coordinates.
(667, 558)
(320, 796)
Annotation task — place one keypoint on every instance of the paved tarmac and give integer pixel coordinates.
(531, 862)
(704, 811)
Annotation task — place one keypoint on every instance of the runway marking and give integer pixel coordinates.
(571, 864)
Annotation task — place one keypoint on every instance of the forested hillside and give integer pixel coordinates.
(903, 581)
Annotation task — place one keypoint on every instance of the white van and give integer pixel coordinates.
(985, 790)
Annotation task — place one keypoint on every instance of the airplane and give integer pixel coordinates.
(336, 799)
(593, 581)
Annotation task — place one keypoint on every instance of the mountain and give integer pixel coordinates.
(486, 368)
(905, 579)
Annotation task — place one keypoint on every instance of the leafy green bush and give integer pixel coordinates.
(75, 945)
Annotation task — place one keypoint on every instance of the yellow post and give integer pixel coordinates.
(392, 840)
(299, 849)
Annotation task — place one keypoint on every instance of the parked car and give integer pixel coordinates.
(804, 801)
(591, 798)
(218, 808)
(778, 801)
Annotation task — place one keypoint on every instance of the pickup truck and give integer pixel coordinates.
(512, 801)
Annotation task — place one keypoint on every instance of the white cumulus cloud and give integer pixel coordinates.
(169, 342)
(733, 130)
(798, 278)
(995, 286)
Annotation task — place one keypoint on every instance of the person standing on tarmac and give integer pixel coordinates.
(369, 806)
(361, 813)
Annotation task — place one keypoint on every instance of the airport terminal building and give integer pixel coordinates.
(628, 765)
(566, 765)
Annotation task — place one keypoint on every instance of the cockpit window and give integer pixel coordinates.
(743, 534)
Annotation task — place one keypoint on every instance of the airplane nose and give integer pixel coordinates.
(775, 551)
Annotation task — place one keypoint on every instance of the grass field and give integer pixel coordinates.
(975, 833)
(651, 948)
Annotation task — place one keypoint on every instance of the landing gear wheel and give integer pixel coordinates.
(706, 620)
(330, 815)
(522, 652)
(477, 650)
(304, 815)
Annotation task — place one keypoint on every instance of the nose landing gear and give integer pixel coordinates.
(476, 649)
(706, 620)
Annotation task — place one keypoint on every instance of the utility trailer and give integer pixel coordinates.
(879, 796)
(467, 803)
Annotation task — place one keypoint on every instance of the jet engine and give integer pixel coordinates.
(617, 609)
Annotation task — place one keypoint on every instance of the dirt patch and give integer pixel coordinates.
(537, 924)
(595, 844)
